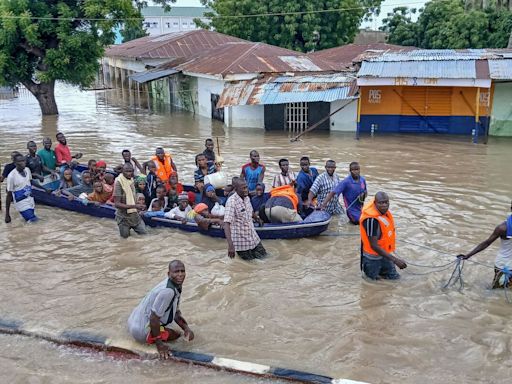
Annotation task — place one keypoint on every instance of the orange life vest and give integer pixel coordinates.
(164, 170)
(286, 191)
(387, 228)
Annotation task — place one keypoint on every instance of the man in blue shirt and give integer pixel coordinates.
(353, 189)
(305, 178)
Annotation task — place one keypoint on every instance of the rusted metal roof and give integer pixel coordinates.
(346, 55)
(248, 57)
(170, 45)
(288, 89)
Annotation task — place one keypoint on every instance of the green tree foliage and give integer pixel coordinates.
(298, 31)
(448, 24)
(42, 41)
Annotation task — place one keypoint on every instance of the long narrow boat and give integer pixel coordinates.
(313, 225)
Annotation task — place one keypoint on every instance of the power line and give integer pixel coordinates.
(270, 14)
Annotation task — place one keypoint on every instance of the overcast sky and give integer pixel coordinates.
(386, 7)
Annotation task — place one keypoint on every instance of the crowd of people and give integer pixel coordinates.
(152, 189)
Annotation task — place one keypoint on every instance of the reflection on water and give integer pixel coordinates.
(306, 307)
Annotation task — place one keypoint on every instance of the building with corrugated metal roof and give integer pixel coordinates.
(121, 61)
(256, 85)
(427, 91)
(500, 72)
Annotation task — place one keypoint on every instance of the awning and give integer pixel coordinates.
(152, 74)
(287, 89)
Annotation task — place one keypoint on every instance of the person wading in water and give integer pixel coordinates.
(147, 323)
(503, 261)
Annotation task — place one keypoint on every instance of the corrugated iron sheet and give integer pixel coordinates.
(500, 69)
(441, 55)
(170, 45)
(247, 57)
(465, 69)
(144, 77)
(284, 89)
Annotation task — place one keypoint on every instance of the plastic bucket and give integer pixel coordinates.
(218, 179)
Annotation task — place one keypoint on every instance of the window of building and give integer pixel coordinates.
(296, 117)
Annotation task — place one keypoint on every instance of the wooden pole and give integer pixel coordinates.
(477, 116)
(319, 122)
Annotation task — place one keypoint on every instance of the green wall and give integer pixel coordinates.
(501, 116)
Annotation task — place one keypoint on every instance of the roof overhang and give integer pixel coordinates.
(422, 82)
(153, 74)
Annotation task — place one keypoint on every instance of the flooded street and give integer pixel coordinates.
(305, 307)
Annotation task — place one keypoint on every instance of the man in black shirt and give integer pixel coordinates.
(209, 152)
(35, 164)
(9, 167)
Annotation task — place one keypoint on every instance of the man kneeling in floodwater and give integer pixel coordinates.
(160, 307)
(503, 262)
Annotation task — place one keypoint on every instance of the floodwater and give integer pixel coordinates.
(306, 306)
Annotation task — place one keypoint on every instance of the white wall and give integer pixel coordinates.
(346, 119)
(247, 116)
(205, 88)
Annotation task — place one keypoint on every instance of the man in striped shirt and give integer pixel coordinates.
(322, 186)
(285, 177)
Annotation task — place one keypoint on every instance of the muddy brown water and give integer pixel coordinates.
(306, 306)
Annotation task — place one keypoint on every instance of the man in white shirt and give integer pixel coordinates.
(19, 191)
(180, 212)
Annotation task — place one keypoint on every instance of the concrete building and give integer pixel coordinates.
(426, 91)
(178, 19)
(257, 85)
(121, 61)
(500, 72)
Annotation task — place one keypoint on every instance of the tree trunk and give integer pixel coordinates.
(45, 95)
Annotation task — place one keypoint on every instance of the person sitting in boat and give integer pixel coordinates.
(285, 177)
(253, 172)
(67, 180)
(172, 199)
(161, 196)
(128, 158)
(210, 198)
(174, 185)
(101, 169)
(202, 217)
(36, 166)
(160, 307)
(164, 164)
(180, 212)
(108, 184)
(141, 201)
(92, 167)
(99, 195)
(141, 187)
(260, 198)
(84, 187)
(151, 180)
(155, 209)
(503, 260)
(283, 205)
(203, 169)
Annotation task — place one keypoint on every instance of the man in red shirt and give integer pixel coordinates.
(64, 157)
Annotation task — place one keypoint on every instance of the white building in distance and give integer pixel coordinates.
(179, 19)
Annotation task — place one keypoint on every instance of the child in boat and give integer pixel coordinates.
(161, 196)
(141, 187)
(67, 179)
(175, 185)
(173, 199)
(151, 180)
(101, 167)
(180, 212)
(259, 198)
(202, 217)
(99, 195)
(141, 200)
(156, 209)
(108, 183)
